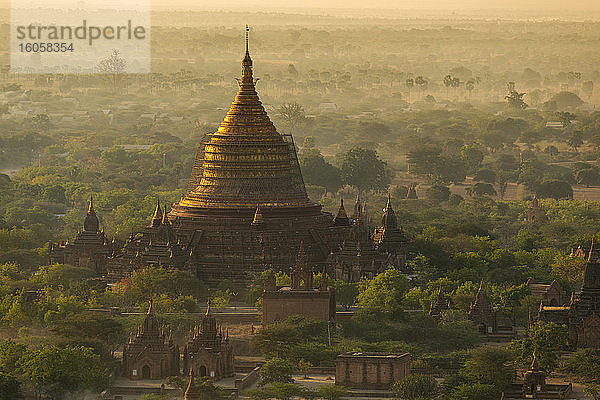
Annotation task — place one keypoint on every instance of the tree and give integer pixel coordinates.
(515, 100)
(41, 122)
(56, 371)
(470, 85)
(476, 391)
(490, 366)
(10, 387)
(485, 175)
(363, 169)
(545, 340)
(421, 83)
(345, 293)
(415, 387)
(304, 367)
(437, 193)
(280, 391)
(114, 68)
(472, 157)
(410, 83)
(482, 189)
(332, 392)
(317, 171)
(276, 370)
(292, 114)
(384, 293)
(554, 189)
(592, 390)
(575, 140)
(588, 177)
(91, 325)
(585, 363)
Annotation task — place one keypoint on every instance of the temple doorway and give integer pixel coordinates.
(145, 372)
(202, 371)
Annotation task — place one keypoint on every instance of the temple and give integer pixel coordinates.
(489, 320)
(208, 352)
(150, 353)
(301, 297)
(89, 249)
(535, 212)
(582, 314)
(246, 207)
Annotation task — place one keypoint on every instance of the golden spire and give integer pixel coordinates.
(258, 218)
(158, 214)
(246, 162)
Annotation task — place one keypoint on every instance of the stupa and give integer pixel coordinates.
(244, 170)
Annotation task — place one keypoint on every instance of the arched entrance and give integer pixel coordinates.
(202, 371)
(145, 372)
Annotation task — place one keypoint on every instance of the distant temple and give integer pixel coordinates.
(371, 370)
(439, 305)
(301, 297)
(552, 294)
(534, 386)
(89, 249)
(412, 192)
(535, 212)
(488, 319)
(582, 314)
(208, 352)
(150, 352)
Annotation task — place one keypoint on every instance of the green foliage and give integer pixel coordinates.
(280, 391)
(332, 392)
(346, 293)
(490, 366)
(384, 293)
(545, 340)
(10, 387)
(363, 169)
(317, 171)
(476, 391)
(276, 370)
(415, 387)
(585, 363)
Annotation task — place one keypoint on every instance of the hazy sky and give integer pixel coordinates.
(530, 5)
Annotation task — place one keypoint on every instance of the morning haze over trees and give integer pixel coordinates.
(482, 135)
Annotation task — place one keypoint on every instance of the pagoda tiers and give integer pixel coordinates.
(247, 207)
(209, 353)
(582, 315)
(89, 249)
(155, 245)
(150, 353)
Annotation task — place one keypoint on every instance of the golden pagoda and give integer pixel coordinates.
(246, 208)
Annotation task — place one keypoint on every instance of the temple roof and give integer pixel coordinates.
(247, 162)
(91, 223)
(591, 275)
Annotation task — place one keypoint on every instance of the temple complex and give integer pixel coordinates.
(155, 244)
(89, 249)
(208, 352)
(582, 314)
(246, 207)
(412, 192)
(150, 352)
(301, 297)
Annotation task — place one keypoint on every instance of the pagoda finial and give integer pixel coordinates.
(389, 201)
(150, 308)
(91, 207)
(158, 214)
(258, 218)
(207, 308)
(534, 363)
(247, 39)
